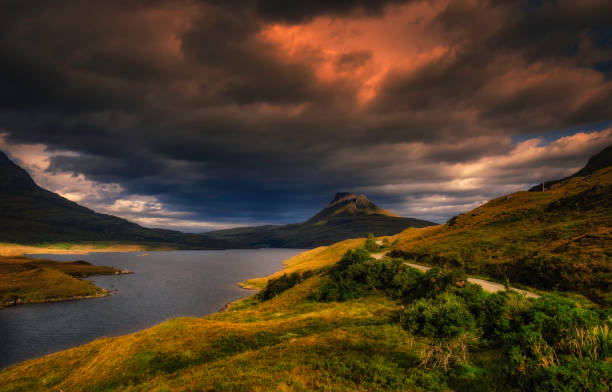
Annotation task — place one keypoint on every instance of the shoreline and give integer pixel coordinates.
(224, 309)
(243, 286)
(103, 294)
(12, 249)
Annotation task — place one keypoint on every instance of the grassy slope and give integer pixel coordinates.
(288, 343)
(558, 239)
(32, 280)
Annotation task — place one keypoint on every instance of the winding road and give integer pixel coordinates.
(488, 286)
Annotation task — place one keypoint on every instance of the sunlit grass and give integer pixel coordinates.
(25, 280)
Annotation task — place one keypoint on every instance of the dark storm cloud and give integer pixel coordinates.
(301, 11)
(191, 101)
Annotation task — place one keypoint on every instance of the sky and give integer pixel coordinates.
(209, 114)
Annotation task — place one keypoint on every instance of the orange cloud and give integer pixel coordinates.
(399, 40)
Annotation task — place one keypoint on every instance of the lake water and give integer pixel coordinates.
(164, 285)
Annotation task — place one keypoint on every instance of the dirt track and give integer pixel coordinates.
(488, 286)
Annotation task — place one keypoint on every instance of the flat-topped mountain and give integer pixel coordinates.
(31, 214)
(347, 216)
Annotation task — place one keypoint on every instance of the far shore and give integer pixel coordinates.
(10, 249)
(104, 293)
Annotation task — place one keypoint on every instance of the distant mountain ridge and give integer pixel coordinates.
(347, 216)
(31, 214)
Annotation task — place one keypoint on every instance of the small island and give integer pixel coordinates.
(26, 280)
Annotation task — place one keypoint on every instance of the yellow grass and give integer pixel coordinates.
(10, 249)
(323, 256)
(294, 324)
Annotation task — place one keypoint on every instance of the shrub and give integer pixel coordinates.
(358, 275)
(453, 220)
(370, 244)
(443, 317)
(276, 286)
(558, 345)
(434, 282)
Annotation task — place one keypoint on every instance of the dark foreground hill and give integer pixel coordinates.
(347, 216)
(31, 214)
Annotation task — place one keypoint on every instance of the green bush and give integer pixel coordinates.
(443, 317)
(548, 344)
(276, 286)
(434, 282)
(358, 275)
(370, 244)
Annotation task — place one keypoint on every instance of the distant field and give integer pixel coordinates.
(13, 249)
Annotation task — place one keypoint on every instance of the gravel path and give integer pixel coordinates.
(488, 286)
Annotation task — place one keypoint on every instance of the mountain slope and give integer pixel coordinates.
(31, 214)
(598, 161)
(347, 216)
(557, 239)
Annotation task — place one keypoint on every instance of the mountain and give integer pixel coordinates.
(347, 216)
(31, 214)
(599, 161)
(558, 239)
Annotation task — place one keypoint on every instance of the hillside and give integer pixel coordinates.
(31, 214)
(347, 216)
(559, 239)
(597, 162)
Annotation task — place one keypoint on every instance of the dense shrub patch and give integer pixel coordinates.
(443, 317)
(549, 344)
(358, 275)
(370, 244)
(276, 286)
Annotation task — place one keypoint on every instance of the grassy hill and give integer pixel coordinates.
(31, 214)
(560, 239)
(347, 216)
(24, 280)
